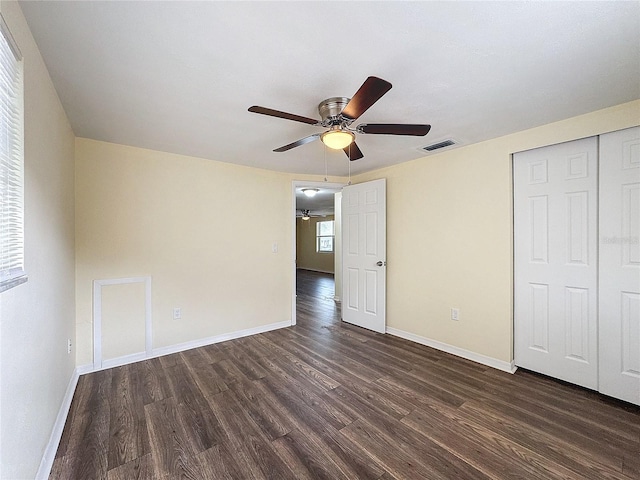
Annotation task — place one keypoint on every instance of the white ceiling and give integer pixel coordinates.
(323, 203)
(179, 76)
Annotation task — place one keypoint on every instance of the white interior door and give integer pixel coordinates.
(619, 308)
(364, 253)
(555, 207)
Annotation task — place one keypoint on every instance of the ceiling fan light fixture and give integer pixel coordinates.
(310, 192)
(338, 114)
(337, 139)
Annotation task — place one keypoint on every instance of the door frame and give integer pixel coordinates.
(295, 184)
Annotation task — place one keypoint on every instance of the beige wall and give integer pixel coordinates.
(449, 234)
(306, 255)
(203, 230)
(37, 317)
(181, 220)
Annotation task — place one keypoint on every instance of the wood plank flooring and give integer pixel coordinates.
(328, 400)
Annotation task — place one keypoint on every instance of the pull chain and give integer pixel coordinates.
(349, 164)
(325, 164)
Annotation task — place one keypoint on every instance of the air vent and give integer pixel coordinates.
(439, 145)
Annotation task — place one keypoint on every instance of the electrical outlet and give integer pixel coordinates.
(68, 345)
(455, 314)
(177, 313)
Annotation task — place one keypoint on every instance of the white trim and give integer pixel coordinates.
(181, 347)
(508, 367)
(56, 434)
(124, 360)
(87, 368)
(13, 45)
(298, 184)
(97, 319)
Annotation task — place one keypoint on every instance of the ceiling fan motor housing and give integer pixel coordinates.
(330, 110)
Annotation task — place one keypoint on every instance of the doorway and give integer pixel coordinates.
(316, 236)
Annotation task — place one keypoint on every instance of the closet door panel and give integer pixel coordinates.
(555, 248)
(619, 265)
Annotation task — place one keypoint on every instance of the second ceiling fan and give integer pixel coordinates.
(338, 113)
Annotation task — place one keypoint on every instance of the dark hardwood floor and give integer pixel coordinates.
(328, 400)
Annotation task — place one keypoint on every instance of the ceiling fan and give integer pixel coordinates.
(338, 113)
(305, 214)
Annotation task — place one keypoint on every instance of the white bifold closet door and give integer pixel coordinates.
(556, 276)
(619, 284)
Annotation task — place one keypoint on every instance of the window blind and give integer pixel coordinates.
(11, 162)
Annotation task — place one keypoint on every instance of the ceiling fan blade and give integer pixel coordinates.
(297, 143)
(369, 93)
(285, 115)
(353, 151)
(394, 129)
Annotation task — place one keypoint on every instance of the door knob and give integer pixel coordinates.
(380, 263)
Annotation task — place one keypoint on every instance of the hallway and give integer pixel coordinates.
(314, 298)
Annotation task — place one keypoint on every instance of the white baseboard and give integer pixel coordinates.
(157, 352)
(82, 369)
(181, 347)
(124, 360)
(56, 434)
(508, 367)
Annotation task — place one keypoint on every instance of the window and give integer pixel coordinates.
(11, 163)
(324, 236)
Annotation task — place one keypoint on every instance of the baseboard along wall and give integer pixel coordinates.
(56, 433)
(508, 367)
